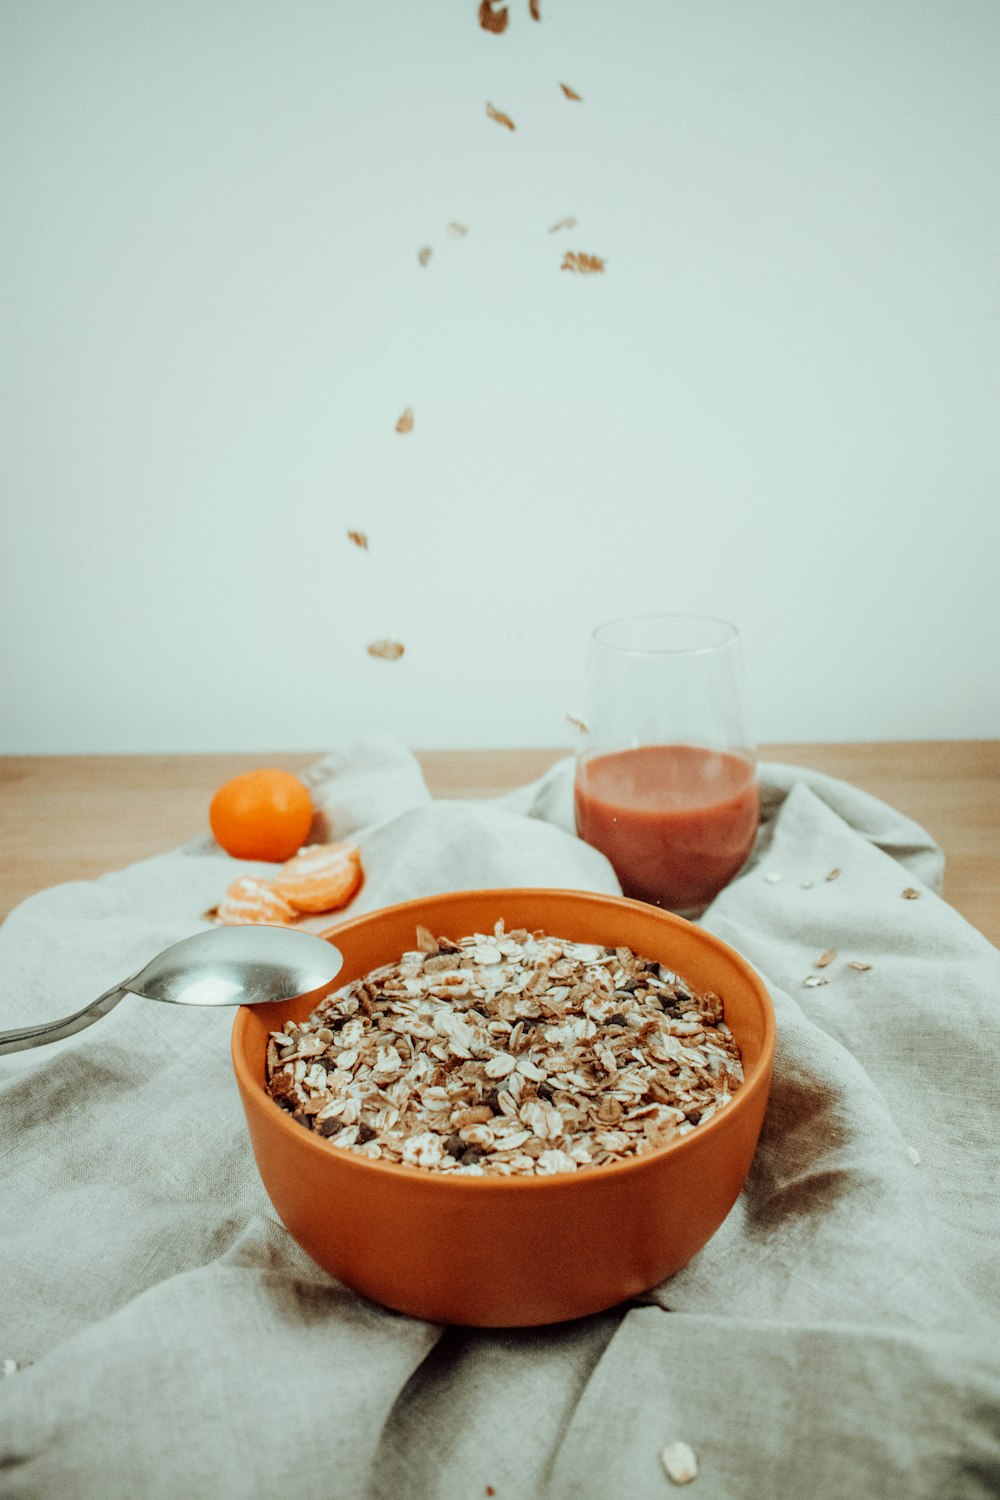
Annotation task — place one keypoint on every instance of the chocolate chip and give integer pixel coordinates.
(301, 1118)
(283, 1102)
(455, 1146)
(492, 1099)
(545, 1090)
(472, 1156)
(616, 1020)
(692, 1116)
(365, 1134)
(330, 1126)
(529, 1021)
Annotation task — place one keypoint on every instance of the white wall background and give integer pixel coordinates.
(780, 403)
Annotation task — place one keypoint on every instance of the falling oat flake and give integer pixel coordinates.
(405, 423)
(814, 981)
(359, 539)
(914, 1155)
(910, 894)
(424, 254)
(427, 942)
(500, 117)
(493, 19)
(578, 723)
(834, 873)
(825, 958)
(857, 966)
(457, 230)
(773, 878)
(571, 93)
(536, 14)
(568, 223)
(386, 649)
(576, 260)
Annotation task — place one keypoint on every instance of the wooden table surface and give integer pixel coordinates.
(74, 817)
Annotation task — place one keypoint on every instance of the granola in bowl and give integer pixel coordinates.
(514, 1053)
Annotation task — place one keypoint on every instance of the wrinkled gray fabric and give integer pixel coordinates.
(839, 1335)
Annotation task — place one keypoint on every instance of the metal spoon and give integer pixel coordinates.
(226, 966)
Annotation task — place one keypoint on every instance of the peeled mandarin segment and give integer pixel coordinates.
(249, 901)
(316, 859)
(321, 877)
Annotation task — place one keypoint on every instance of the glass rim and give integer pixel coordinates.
(731, 638)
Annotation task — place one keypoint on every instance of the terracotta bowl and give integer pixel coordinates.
(508, 1252)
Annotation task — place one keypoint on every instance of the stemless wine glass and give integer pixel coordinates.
(666, 778)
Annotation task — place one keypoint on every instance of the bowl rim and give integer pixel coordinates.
(494, 1182)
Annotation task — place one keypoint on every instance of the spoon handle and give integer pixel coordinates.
(54, 1031)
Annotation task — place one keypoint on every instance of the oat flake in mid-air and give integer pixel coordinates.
(834, 873)
(405, 423)
(457, 231)
(359, 539)
(424, 254)
(567, 223)
(910, 894)
(500, 117)
(386, 649)
(577, 723)
(814, 981)
(571, 93)
(679, 1463)
(858, 966)
(773, 878)
(825, 958)
(493, 17)
(583, 264)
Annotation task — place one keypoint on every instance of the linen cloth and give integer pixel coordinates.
(838, 1336)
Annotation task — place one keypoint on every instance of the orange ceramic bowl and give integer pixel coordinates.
(507, 1252)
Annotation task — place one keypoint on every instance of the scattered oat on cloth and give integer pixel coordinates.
(162, 1336)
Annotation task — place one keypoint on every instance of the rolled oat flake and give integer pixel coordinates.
(679, 1463)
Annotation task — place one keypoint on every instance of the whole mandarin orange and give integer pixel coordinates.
(261, 815)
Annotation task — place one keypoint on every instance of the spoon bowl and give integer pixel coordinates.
(257, 965)
(239, 966)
